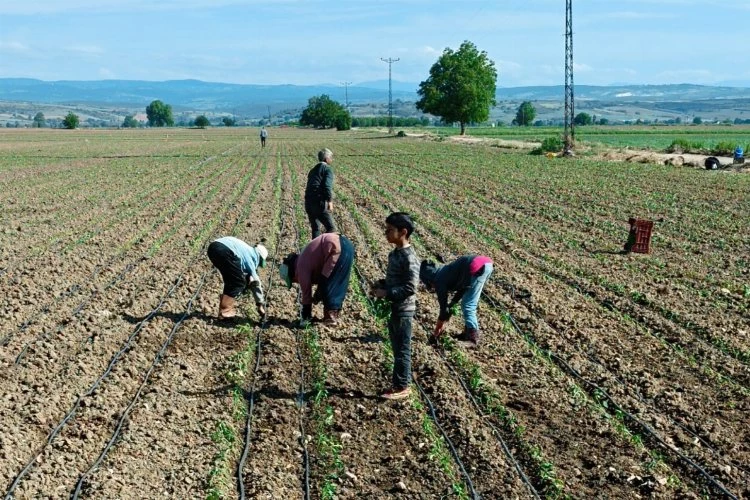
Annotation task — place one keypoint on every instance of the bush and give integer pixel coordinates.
(552, 145)
(684, 146)
(723, 148)
(401, 133)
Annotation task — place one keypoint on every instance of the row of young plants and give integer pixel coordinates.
(328, 446)
(545, 478)
(235, 372)
(422, 221)
(509, 237)
(571, 226)
(125, 369)
(438, 449)
(239, 373)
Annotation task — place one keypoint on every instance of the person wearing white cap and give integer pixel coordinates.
(238, 264)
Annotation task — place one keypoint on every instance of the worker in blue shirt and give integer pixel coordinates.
(238, 264)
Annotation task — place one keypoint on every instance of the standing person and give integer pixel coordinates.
(400, 287)
(327, 262)
(238, 264)
(319, 194)
(263, 135)
(466, 277)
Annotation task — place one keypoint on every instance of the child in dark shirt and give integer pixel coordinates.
(400, 287)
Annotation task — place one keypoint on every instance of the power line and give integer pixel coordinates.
(390, 62)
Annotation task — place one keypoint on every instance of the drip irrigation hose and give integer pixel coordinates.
(495, 304)
(251, 390)
(423, 394)
(118, 429)
(569, 369)
(51, 436)
(495, 431)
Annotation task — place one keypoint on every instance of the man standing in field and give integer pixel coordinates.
(263, 135)
(319, 194)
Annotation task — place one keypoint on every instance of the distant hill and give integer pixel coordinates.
(199, 95)
(110, 100)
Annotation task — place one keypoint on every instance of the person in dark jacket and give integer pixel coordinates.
(319, 194)
(466, 277)
(238, 264)
(400, 287)
(327, 262)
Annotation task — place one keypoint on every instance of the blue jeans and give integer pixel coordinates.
(470, 300)
(335, 287)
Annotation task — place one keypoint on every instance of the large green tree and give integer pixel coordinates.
(39, 120)
(159, 114)
(202, 121)
(525, 114)
(461, 86)
(583, 119)
(71, 121)
(130, 122)
(324, 112)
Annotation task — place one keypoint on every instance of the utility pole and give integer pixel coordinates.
(346, 90)
(269, 115)
(569, 134)
(390, 62)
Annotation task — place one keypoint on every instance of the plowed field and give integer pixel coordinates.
(599, 374)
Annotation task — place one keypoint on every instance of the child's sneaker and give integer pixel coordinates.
(392, 394)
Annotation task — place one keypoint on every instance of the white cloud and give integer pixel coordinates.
(85, 49)
(13, 47)
(583, 68)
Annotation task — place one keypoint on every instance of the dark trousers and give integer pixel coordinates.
(317, 212)
(263, 142)
(399, 330)
(230, 268)
(333, 289)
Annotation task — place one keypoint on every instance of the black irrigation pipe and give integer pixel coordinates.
(571, 371)
(428, 402)
(73, 289)
(508, 454)
(118, 429)
(494, 303)
(251, 389)
(251, 392)
(105, 374)
(301, 403)
(51, 436)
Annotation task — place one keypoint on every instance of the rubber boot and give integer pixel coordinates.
(226, 307)
(470, 338)
(330, 316)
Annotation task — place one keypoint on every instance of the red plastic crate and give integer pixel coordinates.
(639, 239)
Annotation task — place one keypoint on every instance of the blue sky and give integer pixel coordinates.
(312, 42)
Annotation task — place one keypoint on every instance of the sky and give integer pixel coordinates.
(306, 42)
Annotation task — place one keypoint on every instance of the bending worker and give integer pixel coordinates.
(327, 262)
(238, 264)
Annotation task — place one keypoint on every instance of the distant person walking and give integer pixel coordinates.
(263, 137)
(238, 264)
(319, 194)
